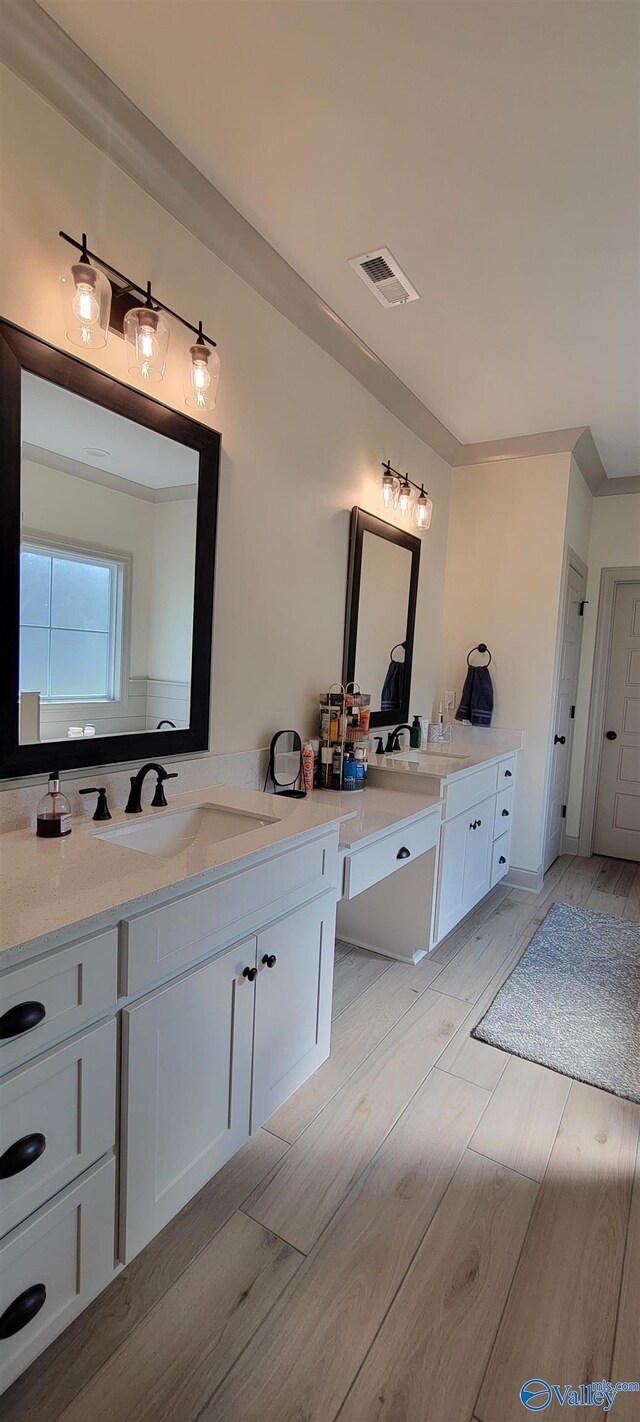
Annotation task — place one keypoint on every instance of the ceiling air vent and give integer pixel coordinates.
(384, 277)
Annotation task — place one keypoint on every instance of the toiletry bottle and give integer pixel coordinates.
(336, 778)
(415, 736)
(308, 759)
(349, 781)
(54, 811)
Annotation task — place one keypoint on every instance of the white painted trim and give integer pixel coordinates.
(577, 441)
(529, 879)
(619, 486)
(610, 579)
(35, 48)
(570, 560)
(570, 844)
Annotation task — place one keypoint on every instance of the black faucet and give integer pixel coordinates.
(134, 803)
(393, 739)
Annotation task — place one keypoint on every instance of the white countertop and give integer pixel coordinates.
(374, 811)
(426, 761)
(51, 885)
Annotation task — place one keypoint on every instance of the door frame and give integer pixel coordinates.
(571, 560)
(610, 580)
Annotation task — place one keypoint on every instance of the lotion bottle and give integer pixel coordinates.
(54, 811)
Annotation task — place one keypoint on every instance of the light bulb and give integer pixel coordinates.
(147, 337)
(390, 487)
(423, 510)
(404, 497)
(202, 375)
(86, 302)
(146, 341)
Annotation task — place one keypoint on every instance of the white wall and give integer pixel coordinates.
(171, 607)
(302, 440)
(503, 576)
(579, 514)
(614, 543)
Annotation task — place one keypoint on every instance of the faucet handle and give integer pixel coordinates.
(102, 811)
(159, 800)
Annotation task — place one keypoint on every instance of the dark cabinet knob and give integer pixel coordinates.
(559, 740)
(403, 853)
(22, 1310)
(502, 859)
(612, 735)
(250, 973)
(269, 960)
(474, 825)
(21, 1018)
(479, 823)
(507, 774)
(21, 1155)
(505, 814)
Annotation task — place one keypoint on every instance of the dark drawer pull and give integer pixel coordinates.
(269, 960)
(479, 823)
(21, 1155)
(559, 740)
(21, 1018)
(474, 825)
(250, 973)
(507, 774)
(22, 1310)
(502, 859)
(403, 853)
(505, 814)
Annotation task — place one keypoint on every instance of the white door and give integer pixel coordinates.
(292, 1033)
(617, 831)
(187, 1091)
(562, 720)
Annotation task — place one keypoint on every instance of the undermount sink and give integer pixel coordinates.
(429, 762)
(173, 833)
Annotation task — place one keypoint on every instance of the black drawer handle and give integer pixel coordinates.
(250, 973)
(21, 1018)
(269, 960)
(479, 823)
(505, 814)
(403, 853)
(22, 1310)
(21, 1155)
(507, 774)
(502, 859)
(559, 740)
(474, 825)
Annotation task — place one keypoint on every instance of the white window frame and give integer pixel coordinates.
(56, 546)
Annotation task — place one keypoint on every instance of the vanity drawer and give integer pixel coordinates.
(52, 1266)
(465, 793)
(506, 772)
(500, 860)
(367, 866)
(503, 812)
(53, 996)
(57, 1116)
(164, 940)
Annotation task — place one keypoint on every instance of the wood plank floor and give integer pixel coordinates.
(425, 1225)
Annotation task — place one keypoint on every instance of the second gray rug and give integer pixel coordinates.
(572, 1003)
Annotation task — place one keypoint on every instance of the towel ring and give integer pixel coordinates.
(482, 648)
(403, 645)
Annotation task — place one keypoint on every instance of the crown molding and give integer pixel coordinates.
(578, 441)
(39, 52)
(619, 486)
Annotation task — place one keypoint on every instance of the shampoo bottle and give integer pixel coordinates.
(54, 811)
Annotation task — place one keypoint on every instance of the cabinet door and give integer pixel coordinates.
(292, 1033)
(477, 862)
(453, 845)
(187, 1088)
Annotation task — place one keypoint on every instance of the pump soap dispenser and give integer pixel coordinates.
(54, 811)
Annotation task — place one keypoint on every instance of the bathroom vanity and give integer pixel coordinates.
(143, 1043)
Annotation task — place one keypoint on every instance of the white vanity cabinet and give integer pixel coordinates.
(475, 840)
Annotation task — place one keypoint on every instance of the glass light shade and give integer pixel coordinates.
(86, 304)
(147, 336)
(405, 498)
(423, 510)
(390, 490)
(202, 377)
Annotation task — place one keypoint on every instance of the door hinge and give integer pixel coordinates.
(583, 604)
(564, 812)
(572, 713)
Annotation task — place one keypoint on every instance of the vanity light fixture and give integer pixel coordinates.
(97, 298)
(147, 336)
(86, 301)
(399, 493)
(202, 376)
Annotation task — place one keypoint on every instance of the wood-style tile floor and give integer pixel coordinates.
(424, 1226)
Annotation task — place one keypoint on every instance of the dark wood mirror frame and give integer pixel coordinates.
(20, 351)
(361, 523)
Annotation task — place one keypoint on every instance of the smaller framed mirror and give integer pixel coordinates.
(382, 592)
(285, 765)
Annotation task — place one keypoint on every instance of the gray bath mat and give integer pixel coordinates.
(573, 1001)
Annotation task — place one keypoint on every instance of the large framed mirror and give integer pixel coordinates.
(108, 506)
(382, 591)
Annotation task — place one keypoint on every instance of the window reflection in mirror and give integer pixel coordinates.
(107, 560)
(382, 621)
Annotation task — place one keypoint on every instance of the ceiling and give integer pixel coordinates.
(493, 145)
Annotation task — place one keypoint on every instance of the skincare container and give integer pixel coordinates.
(54, 811)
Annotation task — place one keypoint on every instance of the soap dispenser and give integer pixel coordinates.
(415, 737)
(54, 811)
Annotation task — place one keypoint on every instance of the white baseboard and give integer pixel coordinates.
(571, 844)
(529, 879)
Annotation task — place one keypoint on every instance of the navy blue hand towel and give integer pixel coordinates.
(393, 686)
(476, 702)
